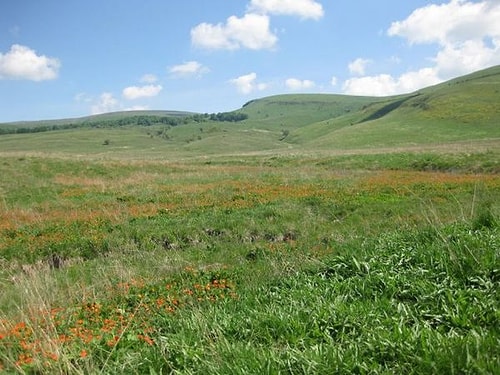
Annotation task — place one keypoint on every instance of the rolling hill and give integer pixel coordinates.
(464, 110)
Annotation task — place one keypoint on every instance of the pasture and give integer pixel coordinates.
(285, 263)
(301, 234)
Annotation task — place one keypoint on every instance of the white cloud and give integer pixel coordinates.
(302, 8)
(149, 78)
(106, 103)
(251, 31)
(190, 68)
(136, 92)
(471, 55)
(466, 32)
(297, 84)
(412, 81)
(358, 66)
(385, 84)
(451, 22)
(247, 83)
(334, 81)
(22, 62)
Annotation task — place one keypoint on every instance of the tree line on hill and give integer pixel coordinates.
(139, 120)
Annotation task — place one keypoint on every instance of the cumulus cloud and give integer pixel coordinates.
(188, 69)
(250, 31)
(358, 66)
(297, 84)
(248, 83)
(22, 62)
(106, 103)
(450, 22)
(302, 8)
(471, 55)
(466, 32)
(334, 81)
(136, 92)
(385, 84)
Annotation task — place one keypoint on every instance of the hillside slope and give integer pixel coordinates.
(465, 109)
(298, 110)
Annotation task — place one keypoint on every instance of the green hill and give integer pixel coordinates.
(110, 116)
(297, 110)
(461, 110)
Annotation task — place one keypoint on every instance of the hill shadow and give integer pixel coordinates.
(387, 108)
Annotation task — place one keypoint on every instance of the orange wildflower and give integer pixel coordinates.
(18, 329)
(53, 356)
(113, 341)
(146, 339)
(83, 353)
(24, 359)
(64, 338)
(25, 345)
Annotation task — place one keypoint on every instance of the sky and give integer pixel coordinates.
(71, 58)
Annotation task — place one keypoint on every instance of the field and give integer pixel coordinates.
(324, 234)
(259, 265)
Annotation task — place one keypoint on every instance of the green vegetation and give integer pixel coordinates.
(462, 113)
(266, 265)
(107, 121)
(216, 247)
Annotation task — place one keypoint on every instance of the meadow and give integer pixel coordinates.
(300, 234)
(277, 264)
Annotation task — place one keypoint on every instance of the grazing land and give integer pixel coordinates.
(316, 234)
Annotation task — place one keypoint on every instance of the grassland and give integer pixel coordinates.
(264, 265)
(463, 112)
(240, 249)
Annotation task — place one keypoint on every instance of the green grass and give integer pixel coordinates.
(324, 234)
(464, 109)
(461, 113)
(369, 263)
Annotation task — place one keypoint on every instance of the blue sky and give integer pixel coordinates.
(72, 58)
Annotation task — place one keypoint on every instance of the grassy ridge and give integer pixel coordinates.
(297, 110)
(101, 117)
(462, 109)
